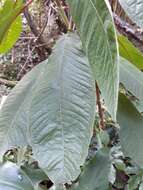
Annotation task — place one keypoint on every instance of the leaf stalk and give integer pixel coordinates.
(100, 110)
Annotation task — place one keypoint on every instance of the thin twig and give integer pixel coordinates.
(23, 8)
(43, 29)
(100, 111)
(26, 6)
(36, 33)
(8, 82)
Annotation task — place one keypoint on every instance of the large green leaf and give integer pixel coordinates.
(67, 92)
(131, 130)
(130, 52)
(95, 173)
(134, 9)
(54, 112)
(132, 78)
(10, 24)
(96, 29)
(13, 178)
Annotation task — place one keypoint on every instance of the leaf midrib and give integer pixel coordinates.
(61, 65)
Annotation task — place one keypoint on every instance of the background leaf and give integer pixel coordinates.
(13, 178)
(131, 130)
(95, 173)
(10, 24)
(12, 35)
(131, 78)
(134, 9)
(130, 52)
(96, 29)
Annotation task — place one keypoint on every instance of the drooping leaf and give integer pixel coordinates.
(95, 25)
(13, 178)
(131, 130)
(132, 78)
(53, 112)
(134, 9)
(10, 24)
(95, 173)
(130, 52)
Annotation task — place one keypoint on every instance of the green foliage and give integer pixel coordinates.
(132, 78)
(131, 123)
(12, 35)
(10, 24)
(13, 178)
(95, 174)
(130, 52)
(52, 110)
(96, 29)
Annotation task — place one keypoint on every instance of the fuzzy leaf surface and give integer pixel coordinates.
(131, 130)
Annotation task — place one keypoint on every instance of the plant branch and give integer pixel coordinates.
(35, 31)
(100, 111)
(62, 13)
